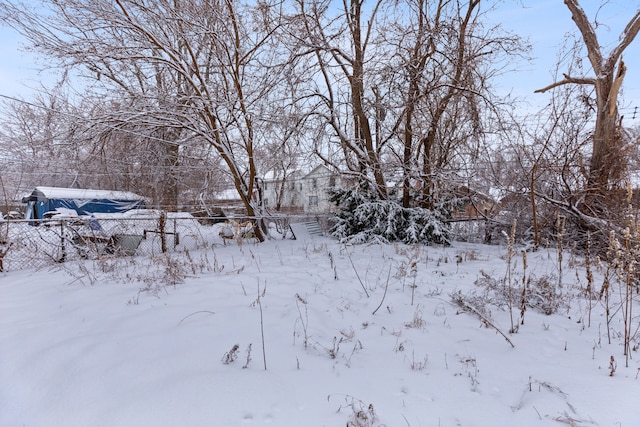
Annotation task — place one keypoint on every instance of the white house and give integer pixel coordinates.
(298, 192)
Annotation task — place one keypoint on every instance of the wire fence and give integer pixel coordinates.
(29, 244)
(35, 244)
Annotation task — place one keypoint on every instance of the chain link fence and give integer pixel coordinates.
(35, 244)
(29, 244)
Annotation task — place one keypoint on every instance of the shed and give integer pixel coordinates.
(83, 201)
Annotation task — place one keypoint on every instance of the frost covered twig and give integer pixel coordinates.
(357, 275)
(460, 301)
(362, 415)
(385, 292)
(231, 355)
(193, 314)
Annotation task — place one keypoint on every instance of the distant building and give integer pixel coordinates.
(300, 193)
(473, 204)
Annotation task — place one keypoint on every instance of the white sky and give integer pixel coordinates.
(544, 22)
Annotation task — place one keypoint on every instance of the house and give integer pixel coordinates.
(83, 201)
(298, 192)
(282, 192)
(473, 204)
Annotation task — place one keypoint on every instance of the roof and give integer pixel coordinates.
(275, 176)
(320, 170)
(46, 193)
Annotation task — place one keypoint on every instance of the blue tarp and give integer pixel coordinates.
(83, 201)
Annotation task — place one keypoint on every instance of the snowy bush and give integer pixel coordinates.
(541, 294)
(363, 219)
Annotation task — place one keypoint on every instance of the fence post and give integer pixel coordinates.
(176, 237)
(64, 249)
(163, 237)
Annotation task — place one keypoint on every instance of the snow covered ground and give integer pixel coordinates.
(138, 342)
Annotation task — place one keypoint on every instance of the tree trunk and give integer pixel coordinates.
(607, 163)
(169, 176)
(443, 104)
(407, 156)
(362, 128)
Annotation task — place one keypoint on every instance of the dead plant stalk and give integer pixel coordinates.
(356, 271)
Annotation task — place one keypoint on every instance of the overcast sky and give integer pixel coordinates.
(544, 22)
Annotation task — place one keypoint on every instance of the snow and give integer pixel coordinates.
(62, 213)
(139, 342)
(229, 194)
(81, 194)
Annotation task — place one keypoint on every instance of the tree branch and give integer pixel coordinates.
(627, 36)
(459, 299)
(588, 34)
(568, 80)
(615, 87)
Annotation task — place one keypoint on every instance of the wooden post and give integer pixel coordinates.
(176, 236)
(163, 237)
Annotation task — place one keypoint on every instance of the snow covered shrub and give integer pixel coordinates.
(364, 219)
(543, 296)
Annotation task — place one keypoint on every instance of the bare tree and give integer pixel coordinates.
(607, 159)
(50, 141)
(453, 90)
(424, 24)
(286, 145)
(200, 69)
(42, 142)
(407, 87)
(343, 48)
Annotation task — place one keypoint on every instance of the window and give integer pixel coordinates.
(332, 181)
(314, 183)
(313, 200)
